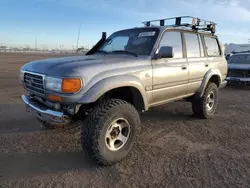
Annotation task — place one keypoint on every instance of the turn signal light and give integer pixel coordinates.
(71, 85)
(55, 98)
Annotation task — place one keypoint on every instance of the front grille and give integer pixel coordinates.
(34, 83)
(238, 73)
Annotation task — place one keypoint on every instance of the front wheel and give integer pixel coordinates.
(110, 131)
(204, 107)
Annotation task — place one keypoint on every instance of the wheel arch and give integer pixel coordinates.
(128, 88)
(129, 94)
(213, 75)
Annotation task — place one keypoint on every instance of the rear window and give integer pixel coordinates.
(212, 47)
(240, 59)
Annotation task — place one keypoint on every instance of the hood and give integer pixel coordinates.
(66, 65)
(239, 66)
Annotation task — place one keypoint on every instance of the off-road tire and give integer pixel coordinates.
(199, 103)
(97, 122)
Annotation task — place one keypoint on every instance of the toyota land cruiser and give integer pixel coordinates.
(130, 72)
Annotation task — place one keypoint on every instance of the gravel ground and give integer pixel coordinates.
(173, 150)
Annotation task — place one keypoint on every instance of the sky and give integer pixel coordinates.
(56, 22)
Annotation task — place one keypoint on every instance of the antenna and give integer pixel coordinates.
(77, 42)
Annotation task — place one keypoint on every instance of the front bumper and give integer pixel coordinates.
(44, 114)
(236, 80)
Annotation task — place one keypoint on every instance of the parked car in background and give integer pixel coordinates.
(239, 69)
(236, 48)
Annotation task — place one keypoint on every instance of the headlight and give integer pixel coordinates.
(54, 84)
(21, 75)
(65, 85)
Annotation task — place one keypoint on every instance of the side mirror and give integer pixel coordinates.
(165, 52)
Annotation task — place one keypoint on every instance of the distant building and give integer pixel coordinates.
(3, 48)
(230, 48)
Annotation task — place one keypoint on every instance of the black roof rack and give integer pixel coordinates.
(185, 21)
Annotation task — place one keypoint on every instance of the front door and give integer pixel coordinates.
(170, 75)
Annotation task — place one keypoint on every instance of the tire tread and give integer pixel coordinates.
(198, 104)
(91, 128)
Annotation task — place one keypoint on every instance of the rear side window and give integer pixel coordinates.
(174, 40)
(192, 44)
(212, 46)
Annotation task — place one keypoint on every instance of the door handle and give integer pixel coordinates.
(206, 64)
(184, 67)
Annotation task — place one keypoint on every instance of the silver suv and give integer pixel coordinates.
(130, 72)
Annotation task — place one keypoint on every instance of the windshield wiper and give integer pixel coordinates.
(123, 51)
(101, 51)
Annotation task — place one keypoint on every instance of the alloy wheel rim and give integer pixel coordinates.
(210, 100)
(117, 134)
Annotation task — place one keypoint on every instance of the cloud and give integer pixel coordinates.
(147, 9)
(245, 4)
(233, 37)
(232, 16)
(234, 33)
(220, 10)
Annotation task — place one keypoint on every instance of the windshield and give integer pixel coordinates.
(240, 59)
(135, 41)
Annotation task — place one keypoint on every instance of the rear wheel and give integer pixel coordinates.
(110, 130)
(204, 107)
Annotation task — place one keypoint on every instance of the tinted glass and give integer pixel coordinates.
(212, 46)
(139, 41)
(192, 44)
(201, 47)
(173, 39)
(240, 59)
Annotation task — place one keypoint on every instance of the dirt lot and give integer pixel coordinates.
(174, 149)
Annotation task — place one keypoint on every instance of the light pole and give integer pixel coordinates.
(35, 44)
(77, 42)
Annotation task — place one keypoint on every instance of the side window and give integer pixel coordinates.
(201, 47)
(212, 46)
(174, 40)
(192, 44)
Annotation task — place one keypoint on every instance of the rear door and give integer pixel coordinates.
(198, 63)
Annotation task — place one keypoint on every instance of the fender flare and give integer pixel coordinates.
(107, 84)
(207, 77)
